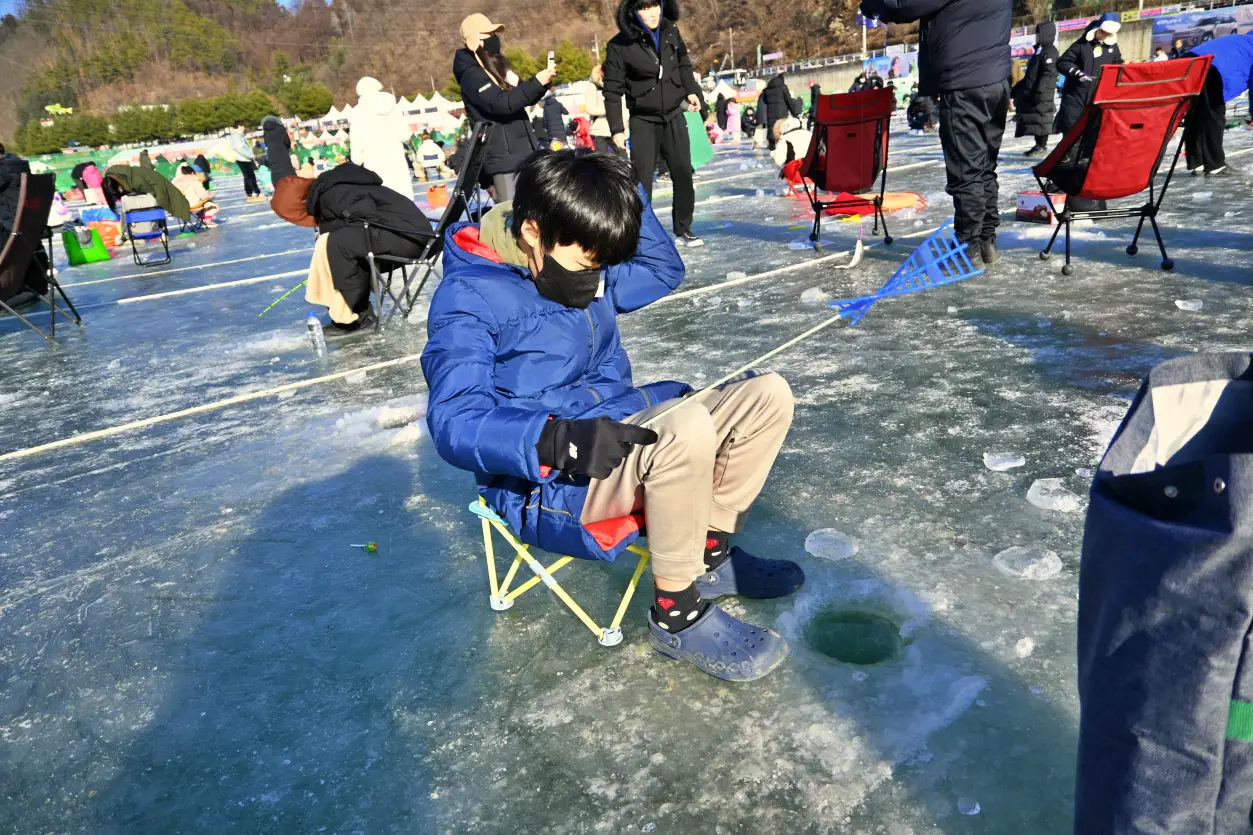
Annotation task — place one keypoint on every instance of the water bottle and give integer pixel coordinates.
(316, 336)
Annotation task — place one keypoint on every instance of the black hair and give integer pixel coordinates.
(496, 65)
(186, 169)
(2, 152)
(646, 4)
(581, 197)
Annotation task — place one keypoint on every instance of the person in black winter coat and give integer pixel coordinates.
(554, 125)
(340, 200)
(647, 62)
(1034, 94)
(963, 57)
(12, 167)
(277, 148)
(1081, 64)
(775, 104)
(720, 111)
(859, 84)
(815, 90)
(492, 92)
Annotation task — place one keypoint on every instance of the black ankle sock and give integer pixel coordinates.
(674, 611)
(716, 549)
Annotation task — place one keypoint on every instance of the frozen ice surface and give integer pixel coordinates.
(1024, 648)
(1050, 494)
(206, 671)
(1000, 462)
(1190, 305)
(968, 806)
(830, 544)
(814, 295)
(1030, 563)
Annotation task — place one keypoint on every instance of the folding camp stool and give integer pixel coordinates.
(162, 233)
(463, 200)
(502, 596)
(1118, 145)
(848, 152)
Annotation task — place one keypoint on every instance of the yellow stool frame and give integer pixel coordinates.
(502, 597)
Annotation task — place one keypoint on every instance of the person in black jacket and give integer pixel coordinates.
(344, 198)
(554, 125)
(859, 84)
(720, 111)
(277, 148)
(1034, 94)
(492, 92)
(815, 90)
(647, 62)
(12, 167)
(963, 57)
(775, 104)
(1081, 64)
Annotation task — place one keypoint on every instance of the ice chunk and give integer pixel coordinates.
(1029, 563)
(1024, 648)
(830, 544)
(743, 303)
(115, 365)
(952, 309)
(1049, 494)
(969, 806)
(1084, 472)
(769, 219)
(355, 377)
(814, 295)
(999, 462)
(760, 193)
(1190, 305)
(394, 417)
(1202, 195)
(736, 276)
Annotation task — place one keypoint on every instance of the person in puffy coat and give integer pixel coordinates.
(492, 92)
(1229, 76)
(1034, 95)
(129, 180)
(775, 104)
(647, 64)
(532, 391)
(379, 134)
(554, 120)
(198, 197)
(1081, 63)
(277, 148)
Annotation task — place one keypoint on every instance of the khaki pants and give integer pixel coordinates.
(711, 458)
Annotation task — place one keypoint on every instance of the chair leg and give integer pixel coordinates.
(1066, 268)
(1167, 262)
(28, 323)
(1135, 239)
(1044, 253)
(75, 317)
(887, 236)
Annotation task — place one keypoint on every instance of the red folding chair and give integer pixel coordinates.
(848, 152)
(1119, 142)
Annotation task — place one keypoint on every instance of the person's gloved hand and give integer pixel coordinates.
(1084, 77)
(594, 448)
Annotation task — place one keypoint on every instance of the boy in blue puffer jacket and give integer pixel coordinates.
(531, 390)
(1228, 77)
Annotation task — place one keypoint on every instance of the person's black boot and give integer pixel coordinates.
(988, 252)
(1038, 150)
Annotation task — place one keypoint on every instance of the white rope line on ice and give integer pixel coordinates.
(185, 269)
(188, 291)
(74, 440)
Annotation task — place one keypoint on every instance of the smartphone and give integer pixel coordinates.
(552, 59)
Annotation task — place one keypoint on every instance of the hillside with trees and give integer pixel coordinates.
(185, 66)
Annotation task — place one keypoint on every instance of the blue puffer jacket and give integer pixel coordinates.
(501, 358)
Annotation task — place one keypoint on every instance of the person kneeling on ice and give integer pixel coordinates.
(531, 390)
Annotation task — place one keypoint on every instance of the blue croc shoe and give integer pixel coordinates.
(723, 646)
(747, 576)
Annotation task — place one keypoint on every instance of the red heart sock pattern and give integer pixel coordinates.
(717, 549)
(674, 611)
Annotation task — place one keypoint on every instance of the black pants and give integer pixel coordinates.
(972, 123)
(350, 271)
(669, 141)
(249, 170)
(604, 145)
(1204, 126)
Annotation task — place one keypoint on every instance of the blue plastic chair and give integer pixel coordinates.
(162, 232)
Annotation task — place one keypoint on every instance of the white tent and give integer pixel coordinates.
(332, 115)
(724, 89)
(440, 103)
(403, 104)
(309, 141)
(324, 138)
(419, 104)
(346, 112)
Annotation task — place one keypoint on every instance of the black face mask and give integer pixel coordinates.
(492, 44)
(572, 288)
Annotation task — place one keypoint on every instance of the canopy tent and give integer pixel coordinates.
(440, 103)
(325, 138)
(309, 140)
(723, 89)
(332, 115)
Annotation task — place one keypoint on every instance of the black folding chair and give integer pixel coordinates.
(162, 233)
(466, 199)
(33, 207)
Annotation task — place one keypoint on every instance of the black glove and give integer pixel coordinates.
(594, 448)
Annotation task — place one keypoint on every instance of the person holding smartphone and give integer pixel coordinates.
(647, 62)
(493, 92)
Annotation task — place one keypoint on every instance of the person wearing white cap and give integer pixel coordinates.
(493, 92)
(379, 134)
(1081, 65)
